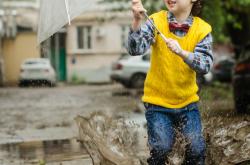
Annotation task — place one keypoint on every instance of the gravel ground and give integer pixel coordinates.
(44, 109)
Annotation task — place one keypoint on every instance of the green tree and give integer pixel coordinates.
(216, 16)
(238, 20)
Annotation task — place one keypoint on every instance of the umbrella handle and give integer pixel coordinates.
(152, 23)
(67, 10)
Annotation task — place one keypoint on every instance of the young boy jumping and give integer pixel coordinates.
(170, 89)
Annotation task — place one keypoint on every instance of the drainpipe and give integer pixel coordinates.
(1, 63)
(1, 51)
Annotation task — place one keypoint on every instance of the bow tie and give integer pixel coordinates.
(173, 26)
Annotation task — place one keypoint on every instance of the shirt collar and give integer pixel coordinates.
(172, 19)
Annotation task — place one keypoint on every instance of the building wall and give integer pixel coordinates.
(106, 42)
(15, 51)
(109, 42)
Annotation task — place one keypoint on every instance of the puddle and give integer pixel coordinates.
(64, 152)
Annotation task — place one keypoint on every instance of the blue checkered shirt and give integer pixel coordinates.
(201, 60)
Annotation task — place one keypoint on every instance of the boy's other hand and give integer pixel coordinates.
(174, 46)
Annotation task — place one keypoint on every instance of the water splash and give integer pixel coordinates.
(228, 143)
(111, 139)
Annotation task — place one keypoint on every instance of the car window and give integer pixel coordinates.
(35, 62)
(227, 63)
(124, 56)
(146, 57)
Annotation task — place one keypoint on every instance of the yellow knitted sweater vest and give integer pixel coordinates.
(170, 82)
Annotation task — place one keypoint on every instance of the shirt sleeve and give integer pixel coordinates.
(140, 41)
(201, 60)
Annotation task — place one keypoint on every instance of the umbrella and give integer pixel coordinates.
(54, 14)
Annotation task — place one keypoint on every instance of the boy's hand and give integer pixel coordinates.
(138, 10)
(175, 47)
(138, 13)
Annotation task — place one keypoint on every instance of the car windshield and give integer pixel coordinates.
(146, 57)
(124, 56)
(35, 62)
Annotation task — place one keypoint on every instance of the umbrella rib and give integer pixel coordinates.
(67, 10)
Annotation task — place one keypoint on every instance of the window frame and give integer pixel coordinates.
(84, 37)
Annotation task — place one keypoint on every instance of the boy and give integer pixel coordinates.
(170, 89)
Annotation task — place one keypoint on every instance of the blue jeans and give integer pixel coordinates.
(161, 125)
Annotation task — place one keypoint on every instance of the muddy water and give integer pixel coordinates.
(55, 152)
(228, 139)
(115, 139)
(112, 138)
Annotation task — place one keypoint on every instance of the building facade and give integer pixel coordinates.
(19, 19)
(95, 40)
(83, 51)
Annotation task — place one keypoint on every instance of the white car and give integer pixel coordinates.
(131, 71)
(205, 78)
(37, 70)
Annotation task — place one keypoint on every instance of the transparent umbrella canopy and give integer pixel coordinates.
(54, 14)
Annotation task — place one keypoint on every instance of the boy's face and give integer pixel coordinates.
(177, 6)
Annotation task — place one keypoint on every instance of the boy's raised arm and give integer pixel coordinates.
(138, 10)
(141, 36)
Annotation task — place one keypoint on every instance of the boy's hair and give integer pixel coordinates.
(196, 10)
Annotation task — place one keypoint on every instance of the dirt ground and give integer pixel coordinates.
(25, 109)
(47, 114)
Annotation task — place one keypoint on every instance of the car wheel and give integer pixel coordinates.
(241, 104)
(23, 84)
(53, 84)
(50, 83)
(201, 80)
(126, 85)
(137, 80)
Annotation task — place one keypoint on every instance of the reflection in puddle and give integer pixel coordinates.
(56, 151)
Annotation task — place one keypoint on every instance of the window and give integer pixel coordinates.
(124, 35)
(146, 57)
(84, 38)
